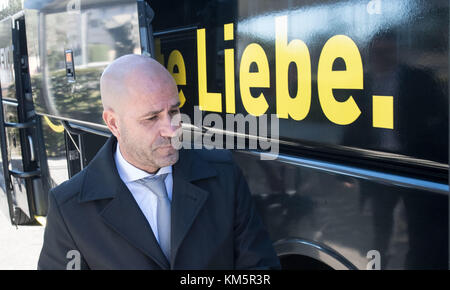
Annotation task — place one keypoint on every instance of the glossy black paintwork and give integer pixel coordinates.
(409, 227)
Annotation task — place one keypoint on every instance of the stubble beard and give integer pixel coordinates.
(148, 159)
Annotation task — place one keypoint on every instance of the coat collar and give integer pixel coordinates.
(102, 181)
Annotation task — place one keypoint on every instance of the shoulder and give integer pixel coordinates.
(69, 189)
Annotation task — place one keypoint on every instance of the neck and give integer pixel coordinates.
(129, 159)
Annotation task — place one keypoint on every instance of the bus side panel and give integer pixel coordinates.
(352, 215)
(366, 80)
(370, 84)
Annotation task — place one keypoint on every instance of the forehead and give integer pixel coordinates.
(142, 102)
(150, 94)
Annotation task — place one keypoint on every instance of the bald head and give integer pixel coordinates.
(130, 75)
(140, 99)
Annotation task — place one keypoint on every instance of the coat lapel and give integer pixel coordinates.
(188, 199)
(124, 216)
(121, 213)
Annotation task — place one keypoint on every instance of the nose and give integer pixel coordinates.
(169, 126)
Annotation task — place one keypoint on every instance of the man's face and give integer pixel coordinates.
(145, 124)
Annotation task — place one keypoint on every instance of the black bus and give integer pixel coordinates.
(358, 91)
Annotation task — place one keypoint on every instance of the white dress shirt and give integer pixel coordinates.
(146, 200)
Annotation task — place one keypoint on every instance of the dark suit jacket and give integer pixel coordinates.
(214, 222)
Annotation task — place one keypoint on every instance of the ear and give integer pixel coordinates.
(112, 121)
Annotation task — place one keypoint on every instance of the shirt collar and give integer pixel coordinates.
(129, 173)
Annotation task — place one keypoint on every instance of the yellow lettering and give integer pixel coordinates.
(229, 71)
(342, 113)
(383, 112)
(207, 101)
(297, 52)
(228, 31)
(254, 53)
(176, 60)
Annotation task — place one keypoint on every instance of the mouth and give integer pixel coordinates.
(166, 147)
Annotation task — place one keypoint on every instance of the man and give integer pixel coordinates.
(141, 204)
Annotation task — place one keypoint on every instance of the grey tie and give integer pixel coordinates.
(156, 185)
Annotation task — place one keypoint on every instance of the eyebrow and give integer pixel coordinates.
(177, 105)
